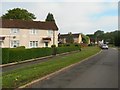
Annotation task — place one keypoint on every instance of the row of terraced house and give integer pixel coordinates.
(31, 34)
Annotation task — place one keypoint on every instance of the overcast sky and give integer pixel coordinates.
(73, 16)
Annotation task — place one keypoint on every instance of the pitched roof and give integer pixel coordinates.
(65, 35)
(28, 24)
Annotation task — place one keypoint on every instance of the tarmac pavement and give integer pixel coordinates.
(100, 71)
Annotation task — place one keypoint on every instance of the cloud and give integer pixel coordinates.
(82, 17)
(59, 0)
(108, 23)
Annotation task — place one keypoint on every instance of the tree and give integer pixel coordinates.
(69, 38)
(110, 37)
(91, 37)
(98, 33)
(117, 38)
(18, 13)
(85, 39)
(50, 17)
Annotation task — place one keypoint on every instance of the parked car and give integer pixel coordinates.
(104, 46)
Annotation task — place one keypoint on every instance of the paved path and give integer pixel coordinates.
(100, 71)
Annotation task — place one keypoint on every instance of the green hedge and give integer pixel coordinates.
(67, 49)
(5, 55)
(20, 54)
(10, 55)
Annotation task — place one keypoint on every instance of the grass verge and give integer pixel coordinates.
(24, 75)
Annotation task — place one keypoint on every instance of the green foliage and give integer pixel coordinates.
(91, 44)
(85, 39)
(54, 49)
(18, 13)
(60, 45)
(69, 38)
(20, 54)
(117, 38)
(67, 49)
(5, 55)
(50, 17)
(98, 33)
(25, 75)
(21, 47)
(67, 44)
(111, 37)
(53, 46)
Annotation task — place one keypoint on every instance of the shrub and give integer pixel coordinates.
(19, 54)
(83, 45)
(53, 46)
(67, 49)
(60, 45)
(67, 44)
(76, 45)
(21, 47)
(5, 55)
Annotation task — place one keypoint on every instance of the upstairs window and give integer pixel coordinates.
(50, 32)
(14, 31)
(33, 31)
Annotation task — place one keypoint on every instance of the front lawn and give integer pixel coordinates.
(25, 75)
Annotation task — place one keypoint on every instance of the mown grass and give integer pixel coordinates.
(24, 75)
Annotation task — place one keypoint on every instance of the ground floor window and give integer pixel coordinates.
(15, 43)
(46, 44)
(33, 44)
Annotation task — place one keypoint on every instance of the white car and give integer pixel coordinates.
(104, 46)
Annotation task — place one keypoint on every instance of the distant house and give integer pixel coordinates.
(92, 38)
(77, 38)
(31, 34)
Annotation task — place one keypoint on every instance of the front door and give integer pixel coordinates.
(14, 43)
(46, 44)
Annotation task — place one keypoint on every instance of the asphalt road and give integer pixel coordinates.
(100, 71)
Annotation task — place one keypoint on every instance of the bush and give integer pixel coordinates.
(5, 55)
(53, 46)
(20, 54)
(10, 55)
(76, 45)
(83, 45)
(21, 47)
(67, 49)
(67, 44)
(60, 45)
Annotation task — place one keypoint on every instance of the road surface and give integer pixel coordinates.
(100, 71)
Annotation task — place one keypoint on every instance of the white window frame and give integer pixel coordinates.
(33, 44)
(14, 43)
(33, 31)
(15, 31)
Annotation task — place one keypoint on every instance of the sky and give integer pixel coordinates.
(76, 16)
